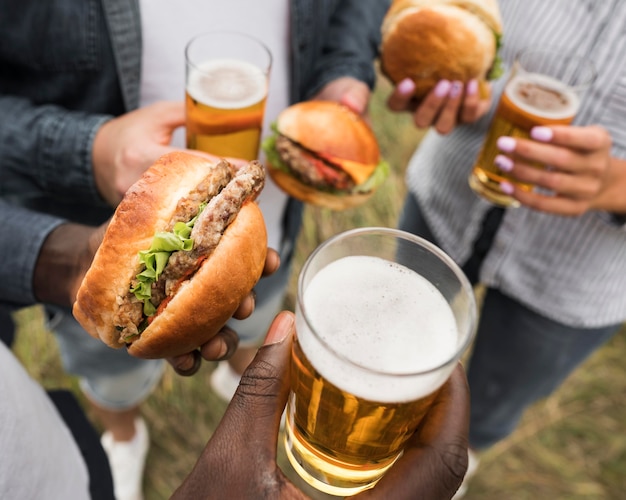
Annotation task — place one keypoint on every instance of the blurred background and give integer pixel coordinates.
(569, 446)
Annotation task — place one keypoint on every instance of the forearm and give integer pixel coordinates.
(24, 233)
(47, 149)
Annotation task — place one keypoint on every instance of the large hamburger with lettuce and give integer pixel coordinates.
(323, 153)
(431, 40)
(185, 246)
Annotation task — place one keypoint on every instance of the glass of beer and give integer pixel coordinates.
(545, 87)
(227, 77)
(382, 317)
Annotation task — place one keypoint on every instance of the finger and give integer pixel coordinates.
(554, 204)
(171, 113)
(262, 393)
(246, 307)
(446, 120)
(434, 463)
(356, 98)
(470, 110)
(583, 139)
(430, 107)
(186, 364)
(581, 187)
(222, 346)
(401, 97)
(272, 262)
(545, 154)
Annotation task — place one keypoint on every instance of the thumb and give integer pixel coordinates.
(262, 394)
(356, 98)
(169, 113)
(400, 98)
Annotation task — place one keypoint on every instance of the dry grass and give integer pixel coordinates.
(570, 446)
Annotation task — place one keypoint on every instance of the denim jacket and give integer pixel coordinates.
(70, 65)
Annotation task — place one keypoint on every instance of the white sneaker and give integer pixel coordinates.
(224, 381)
(472, 466)
(127, 460)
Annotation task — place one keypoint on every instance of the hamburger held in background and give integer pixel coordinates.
(323, 153)
(432, 40)
(185, 246)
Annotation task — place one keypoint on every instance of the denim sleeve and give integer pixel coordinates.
(23, 234)
(47, 149)
(352, 43)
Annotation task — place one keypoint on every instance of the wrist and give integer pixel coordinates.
(61, 264)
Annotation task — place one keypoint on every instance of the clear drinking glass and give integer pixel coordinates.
(382, 317)
(227, 78)
(545, 87)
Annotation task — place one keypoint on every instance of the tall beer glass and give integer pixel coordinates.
(227, 75)
(382, 318)
(545, 87)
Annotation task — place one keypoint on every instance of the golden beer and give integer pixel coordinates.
(528, 100)
(225, 103)
(375, 341)
(344, 439)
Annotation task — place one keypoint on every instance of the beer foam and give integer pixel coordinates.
(227, 84)
(566, 111)
(382, 316)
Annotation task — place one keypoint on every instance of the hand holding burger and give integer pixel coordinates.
(432, 40)
(324, 154)
(184, 248)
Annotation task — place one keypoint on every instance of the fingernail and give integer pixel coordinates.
(472, 87)
(456, 89)
(406, 86)
(442, 88)
(543, 134)
(280, 329)
(504, 163)
(507, 187)
(506, 144)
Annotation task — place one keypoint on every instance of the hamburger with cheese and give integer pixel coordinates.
(185, 246)
(324, 154)
(431, 40)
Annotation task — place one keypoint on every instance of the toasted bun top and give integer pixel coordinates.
(204, 303)
(331, 130)
(439, 39)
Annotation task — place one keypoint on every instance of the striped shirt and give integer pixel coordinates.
(569, 269)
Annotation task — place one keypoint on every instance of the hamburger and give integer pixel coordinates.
(431, 40)
(185, 246)
(324, 154)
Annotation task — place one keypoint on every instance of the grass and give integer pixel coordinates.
(569, 446)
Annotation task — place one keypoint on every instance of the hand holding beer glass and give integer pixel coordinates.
(227, 76)
(382, 318)
(545, 87)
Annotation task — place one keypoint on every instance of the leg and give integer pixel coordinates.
(520, 357)
(115, 384)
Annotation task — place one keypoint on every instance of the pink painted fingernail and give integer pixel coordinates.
(504, 163)
(472, 87)
(543, 134)
(443, 88)
(456, 89)
(507, 187)
(406, 86)
(506, 144)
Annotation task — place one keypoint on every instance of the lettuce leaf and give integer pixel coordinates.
(155, 258)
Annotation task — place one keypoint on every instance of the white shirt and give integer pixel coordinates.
(167, 26)
(570, 269)
(38, 455)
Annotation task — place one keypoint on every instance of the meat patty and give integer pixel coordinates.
(310, 168)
